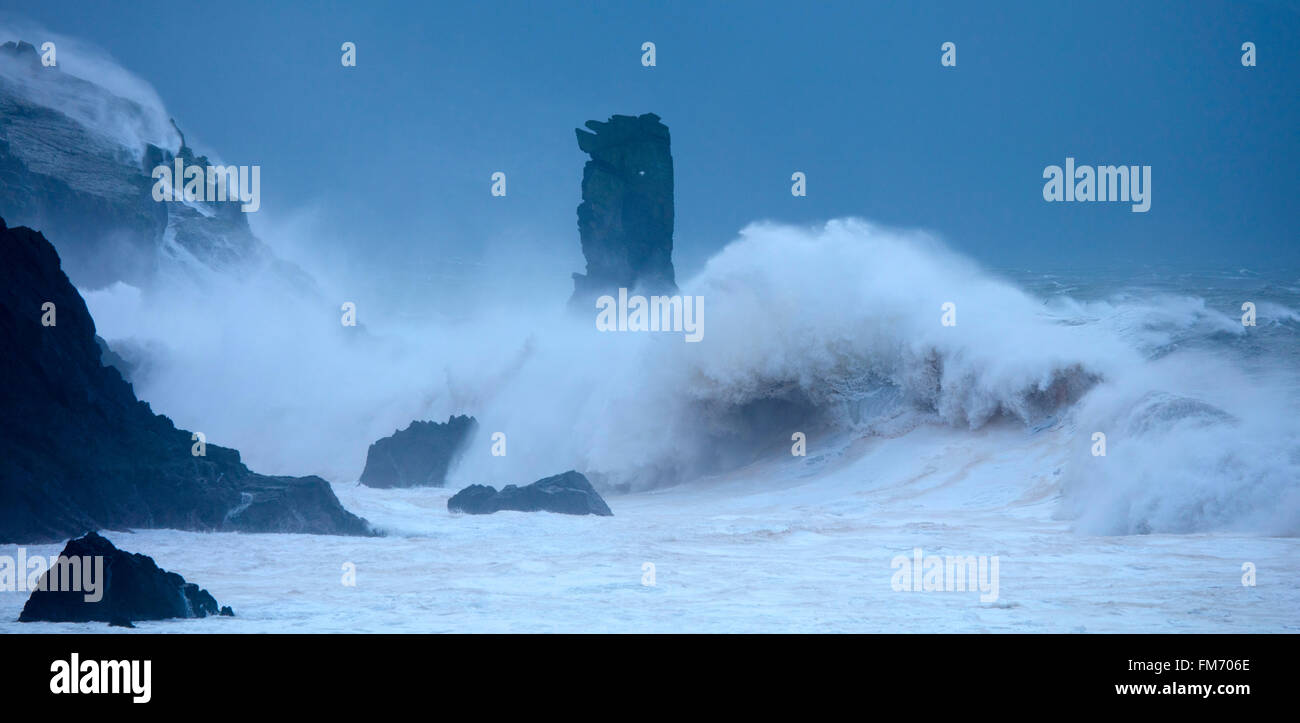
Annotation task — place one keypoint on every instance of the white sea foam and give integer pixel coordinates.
(829, 330)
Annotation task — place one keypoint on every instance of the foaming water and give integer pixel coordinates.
(973, 439)
(830, 331)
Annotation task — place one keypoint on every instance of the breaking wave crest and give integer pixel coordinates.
(835, 331)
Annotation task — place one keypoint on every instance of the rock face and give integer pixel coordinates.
(418, 456)
(132, 587)
(569, 493)
(626, 216)
(76, 161)
(78, 451)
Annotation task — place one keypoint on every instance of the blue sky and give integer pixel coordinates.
(397, 152)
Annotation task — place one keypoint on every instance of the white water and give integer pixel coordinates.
(974, 440)
(824, 331)
(799, 545)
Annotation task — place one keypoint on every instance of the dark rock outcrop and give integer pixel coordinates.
(132, 587)
(569, 493)
(304, 505)
(78, 451)
(418, 456)
(626, 216)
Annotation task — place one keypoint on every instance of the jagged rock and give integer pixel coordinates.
(78, 451)
(133, 587)
(569, 493)
(110, 358)
(626, 216)
(76, 161)
(291, 504)
(418, 456)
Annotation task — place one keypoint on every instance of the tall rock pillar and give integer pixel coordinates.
(626, 216)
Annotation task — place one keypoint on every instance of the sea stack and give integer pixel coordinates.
(625, 219)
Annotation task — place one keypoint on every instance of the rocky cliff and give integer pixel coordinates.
(76, 161)
(78, 451)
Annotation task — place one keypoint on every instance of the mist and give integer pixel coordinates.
(825, 321)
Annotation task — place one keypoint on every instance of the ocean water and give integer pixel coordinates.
(974, 440)
(792, 546)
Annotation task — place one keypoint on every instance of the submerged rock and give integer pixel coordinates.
(131, 587)
(418, 456)
(569, 493)
(626, 216)
(78, 451)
